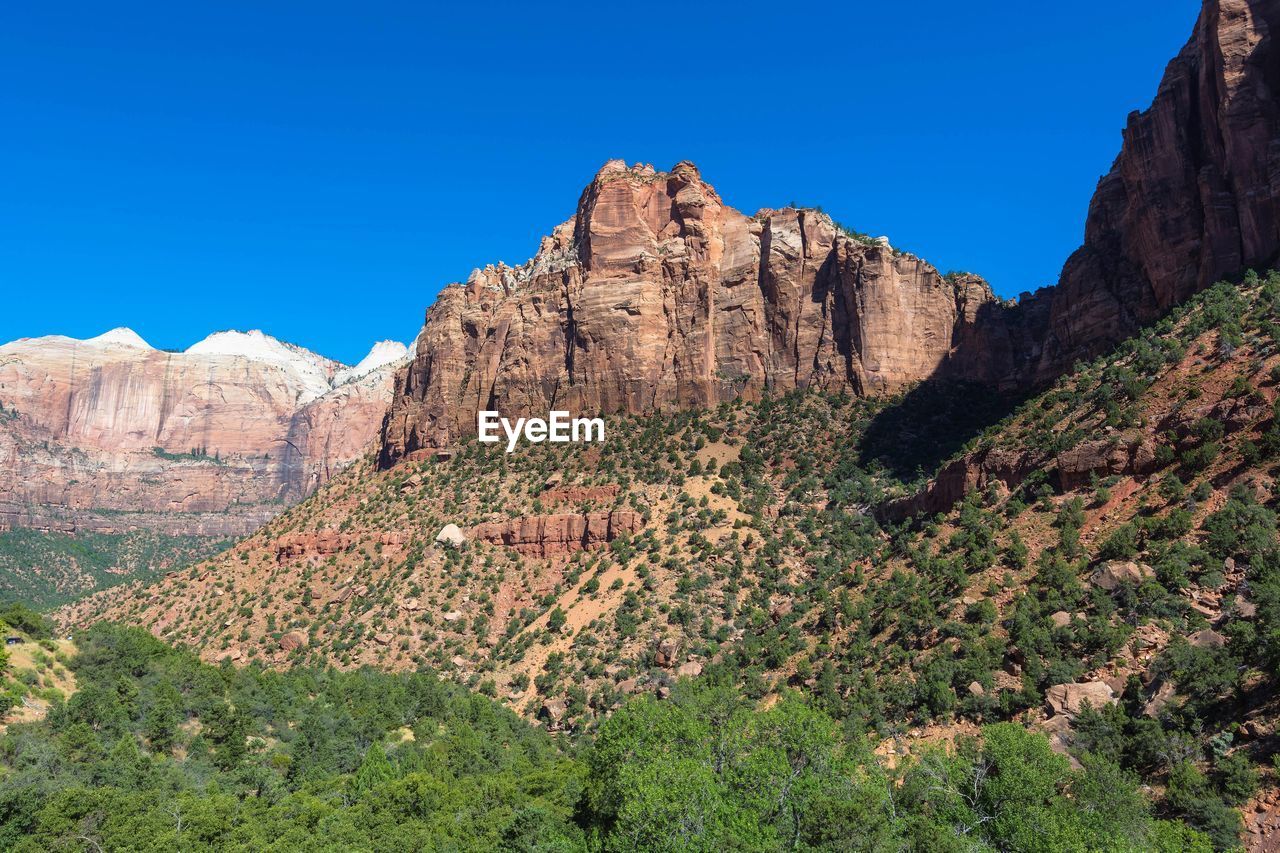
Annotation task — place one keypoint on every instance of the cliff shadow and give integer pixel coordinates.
(915, 433)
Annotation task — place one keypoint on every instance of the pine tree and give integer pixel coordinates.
(162, 723)
(374, 771)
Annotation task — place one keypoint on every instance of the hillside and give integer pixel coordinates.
(44, 569)
(156, 751)
(739, 543)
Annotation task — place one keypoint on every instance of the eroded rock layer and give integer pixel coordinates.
(109, 435)
(657, 295)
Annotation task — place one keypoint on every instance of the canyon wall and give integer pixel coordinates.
(110, 434)
(1193, 197)
(656, 295)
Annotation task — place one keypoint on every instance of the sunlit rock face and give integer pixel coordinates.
(109, 434)
(657, 295)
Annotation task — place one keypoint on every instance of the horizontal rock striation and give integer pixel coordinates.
(656, 296)
(558, 534)
(108, 434)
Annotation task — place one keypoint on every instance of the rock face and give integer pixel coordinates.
(563, 533)
(656, 295)
(110, 434)
(1070, 699)
(1193, 196)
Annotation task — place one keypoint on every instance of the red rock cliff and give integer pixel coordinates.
(656, 295)
(1193, 197)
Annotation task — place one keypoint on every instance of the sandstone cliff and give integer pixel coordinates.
(110, 434)
(1193, 197)
(656, 295)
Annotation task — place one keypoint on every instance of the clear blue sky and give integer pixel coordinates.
(320, 170)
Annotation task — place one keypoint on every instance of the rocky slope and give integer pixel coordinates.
(736, 540)
(656, 295)
(724, 529)
(109, 435)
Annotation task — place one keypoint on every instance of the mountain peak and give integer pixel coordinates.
(314, 371)
(121, 336)
(380, 355)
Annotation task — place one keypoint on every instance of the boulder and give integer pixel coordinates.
(1159, 700)
(692, 669)
(553, 712)
(1111, 574)
(1069, 700)
(665, 651)
(1207, 639)
(451, 536)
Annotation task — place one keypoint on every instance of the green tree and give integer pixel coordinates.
(374, 771)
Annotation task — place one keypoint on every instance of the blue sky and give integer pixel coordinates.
(320, 170)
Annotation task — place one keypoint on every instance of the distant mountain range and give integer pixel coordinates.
(110, 435)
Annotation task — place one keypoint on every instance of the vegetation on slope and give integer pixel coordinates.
(157, 751)
(46, 569)
(761, 565)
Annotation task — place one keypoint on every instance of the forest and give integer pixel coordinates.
(158, 751)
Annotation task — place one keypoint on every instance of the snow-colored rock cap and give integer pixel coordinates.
(314, 371)
(382, 354)
(121, 336)
(116, 338)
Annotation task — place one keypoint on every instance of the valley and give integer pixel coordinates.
(862, 556)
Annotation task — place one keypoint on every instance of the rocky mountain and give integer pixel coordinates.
(1193, 196)
(656, 295)
(736, 541)
(108, 435)
(831, 469)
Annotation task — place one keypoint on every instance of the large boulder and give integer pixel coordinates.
(665, 651)
(1069, 700)
(1113, 573)
(451, 536)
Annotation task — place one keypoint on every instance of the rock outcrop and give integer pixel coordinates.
(656, 295)
(1070, 699)
(110, 434)
(1193, 196)
(558, 534)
